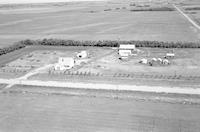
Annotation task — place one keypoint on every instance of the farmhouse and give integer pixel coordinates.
(126, 50)
(64, 63)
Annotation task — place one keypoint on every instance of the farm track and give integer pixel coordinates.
(99, 86)
(187, 17)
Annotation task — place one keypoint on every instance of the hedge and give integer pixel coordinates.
(12, 48)
(192, 8)
(100, 43)
(154, 9)
(109, 43)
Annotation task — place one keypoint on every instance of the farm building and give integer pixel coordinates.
(170, 55)
(65, 63)
(126, 50)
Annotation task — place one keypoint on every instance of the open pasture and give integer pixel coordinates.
(93, 21)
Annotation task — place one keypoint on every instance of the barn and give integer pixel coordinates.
(126, 50)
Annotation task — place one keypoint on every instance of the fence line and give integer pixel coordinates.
(123, 75)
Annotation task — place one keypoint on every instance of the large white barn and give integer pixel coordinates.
(126, 50)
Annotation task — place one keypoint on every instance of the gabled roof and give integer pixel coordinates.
(127, 46)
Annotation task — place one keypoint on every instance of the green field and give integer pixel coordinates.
(93, 21)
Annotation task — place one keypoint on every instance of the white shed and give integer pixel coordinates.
(65, 63)
(170, 55)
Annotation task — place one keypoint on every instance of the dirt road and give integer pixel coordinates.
(102, 86)
(187, 17)
(31, 73)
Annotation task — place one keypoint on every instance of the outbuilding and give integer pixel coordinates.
(170, 55)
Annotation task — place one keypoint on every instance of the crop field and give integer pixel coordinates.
(36, 112)
(93, 21)
(2, 86)
(193, 10)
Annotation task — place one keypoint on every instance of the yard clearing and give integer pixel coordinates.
(106, 71)
(103, 65)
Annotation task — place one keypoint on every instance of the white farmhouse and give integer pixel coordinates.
(126, 50)
(65, 63)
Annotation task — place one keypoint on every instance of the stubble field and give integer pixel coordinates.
(32, 112)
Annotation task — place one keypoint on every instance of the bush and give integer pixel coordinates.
(108, 9)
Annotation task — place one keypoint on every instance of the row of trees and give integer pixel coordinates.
(100, 43)
(12, 48)
(192, 8)
(109, 43)
(154, 9)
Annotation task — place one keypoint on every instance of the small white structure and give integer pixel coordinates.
(159, 59)
(170, 55)
(126, 50)
(82, 54)
(165, 62)
(64, 63)
(154, 59)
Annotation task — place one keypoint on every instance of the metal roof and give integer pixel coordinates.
(127, 46)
